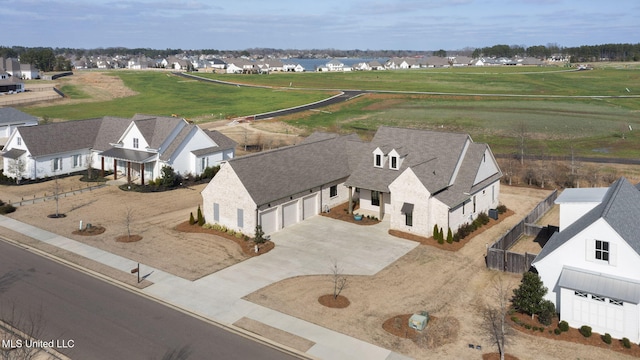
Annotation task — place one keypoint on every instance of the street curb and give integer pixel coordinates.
(228, 327)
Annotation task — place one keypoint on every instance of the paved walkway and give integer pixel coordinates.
(306, 248)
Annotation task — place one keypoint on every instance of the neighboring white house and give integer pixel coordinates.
(591, 266)
(419, 178)
(136, 148)
(10, 119)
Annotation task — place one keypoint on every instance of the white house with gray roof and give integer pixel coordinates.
(591, 267)
(136, 148)
(10, 119)
(417, 178)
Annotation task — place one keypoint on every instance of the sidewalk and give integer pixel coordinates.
(219, 298)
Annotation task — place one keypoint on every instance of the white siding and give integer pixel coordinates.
(407, 188)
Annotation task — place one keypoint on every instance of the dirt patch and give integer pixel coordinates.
(439, 331)
(90, 231)
(338, 302)
(128, 238)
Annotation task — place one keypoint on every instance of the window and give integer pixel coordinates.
(333, 191)
(216, 212)
(77, 161)
(597, 298)
(394, 162)
(204, 162)
(463, 203)
(602, 250)
(57, 164)
(378, 160)
(135, 143)
(19, 140)
(375, 198)
(408, 219)
(580, 294)
(240, 218)
(616, 302)
(474, 204)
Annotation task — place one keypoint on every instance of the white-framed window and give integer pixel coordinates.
(56, 164)
(580, 294)
(19, 140)
(216, 212)
(394, 163)
(616, 302)
(136, 143)
(602, 250)
(77, 160)
(240, 218)
(204, 162)
(333, 191)
(597, 298)
(378, 160)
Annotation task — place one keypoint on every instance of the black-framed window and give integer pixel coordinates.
(394, 162)
(375, 198)
(602, 250)
(408, 219)
(580, 294)
(333, 191)
(378, 160)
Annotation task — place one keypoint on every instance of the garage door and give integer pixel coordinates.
(268, 221)
(289, 214)
(309, 206)
(598, 311)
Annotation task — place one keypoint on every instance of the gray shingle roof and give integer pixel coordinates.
(280, 173)
(223, 142)
(10, 115)
(431, 155)
(155, 129)
(111, 128)
(56, 138)
(620, 208)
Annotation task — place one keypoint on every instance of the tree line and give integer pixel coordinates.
(593, 53)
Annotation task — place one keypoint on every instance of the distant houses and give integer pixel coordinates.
(13, 72)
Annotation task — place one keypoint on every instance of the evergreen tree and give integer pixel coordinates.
(192, 221)
(529, 296)
(200, 217)
(449, 236)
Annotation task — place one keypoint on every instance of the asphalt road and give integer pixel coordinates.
(105, 321)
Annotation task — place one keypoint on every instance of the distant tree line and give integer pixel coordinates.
(44, 59)
(604, 52)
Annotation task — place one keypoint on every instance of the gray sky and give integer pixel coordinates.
(303, 24)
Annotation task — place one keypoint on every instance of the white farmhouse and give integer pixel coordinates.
(417, 178)
(591, 266)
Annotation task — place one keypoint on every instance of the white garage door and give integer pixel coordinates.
(268, 221)
(289, 214)
(309, 206)
(598, 312)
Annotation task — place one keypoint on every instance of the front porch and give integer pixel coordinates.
(129, 166)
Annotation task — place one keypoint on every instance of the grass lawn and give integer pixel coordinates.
(161, 93)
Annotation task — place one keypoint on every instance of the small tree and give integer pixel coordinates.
(435, 232)
(338, 279)
(259, 236)
(529, 296)
(200, 217)
(449, 236)
(17, 168)
(192, 220)
(495, 325)
(128, 219)
(168, 176)
(547, 312)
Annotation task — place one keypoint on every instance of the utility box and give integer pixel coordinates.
(493, 213)
(419, 321)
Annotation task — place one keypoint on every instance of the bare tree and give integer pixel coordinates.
(89, 161)
(18, 329)
(56, 196)
(17, 167)
(128, 219)
(338, 279)
(494, 317)
(522, 133)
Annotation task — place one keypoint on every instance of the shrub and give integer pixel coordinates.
(626, 343)
(239, 235)
(435, 232)
(585, 330)
(557, 331)
(259, 235)
(7, 208)
(515, 319)
(606, 338)
(200, 217)
(501, 209)
(483, 218)
(563, 326)
(192, 220)
(449, 236)
(527, 326)
(541, 329)
(547, 311)
(456, 237)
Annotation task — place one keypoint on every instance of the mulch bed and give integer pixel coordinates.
(454, 246)
(93, 230)
(496, 356)
(439, 331)
(340, 212)
(573, 335)
(128, 239)
(248, 247)
(339, 302)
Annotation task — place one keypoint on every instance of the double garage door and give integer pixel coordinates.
(597, 312)
(289, 214)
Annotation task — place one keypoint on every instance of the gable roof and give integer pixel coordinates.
(282, 172)
(620, 208)
(432, 155)
(55, 138)
(9, 115)
(155, 129)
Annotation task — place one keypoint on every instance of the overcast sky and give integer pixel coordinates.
(318, 24)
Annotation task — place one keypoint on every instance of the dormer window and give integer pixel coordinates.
(378, 158)
(394, 163)
(135, 143)
(394, 160)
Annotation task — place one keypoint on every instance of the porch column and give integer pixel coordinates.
(381, 205)
(115, 169)
(142, 173)
(102, 166)
(350, 200)
(129, 172)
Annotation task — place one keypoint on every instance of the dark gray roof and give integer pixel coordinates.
(223, 142)
(135, 156)
(432, 155)
(13, 153)
(9, 115)
(111, 128)
(280, 173)
(56, 138)
(609, 286)
(176, 142)
(620, 208)
(155, 129)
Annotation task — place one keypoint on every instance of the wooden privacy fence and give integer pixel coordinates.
(498, 255)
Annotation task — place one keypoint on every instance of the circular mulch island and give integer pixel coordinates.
(439, 331)
(94, 230)
(56, 216)
(331, 302)
(128, 239)
(496, 356)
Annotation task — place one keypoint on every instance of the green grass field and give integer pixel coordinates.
(558, 118)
